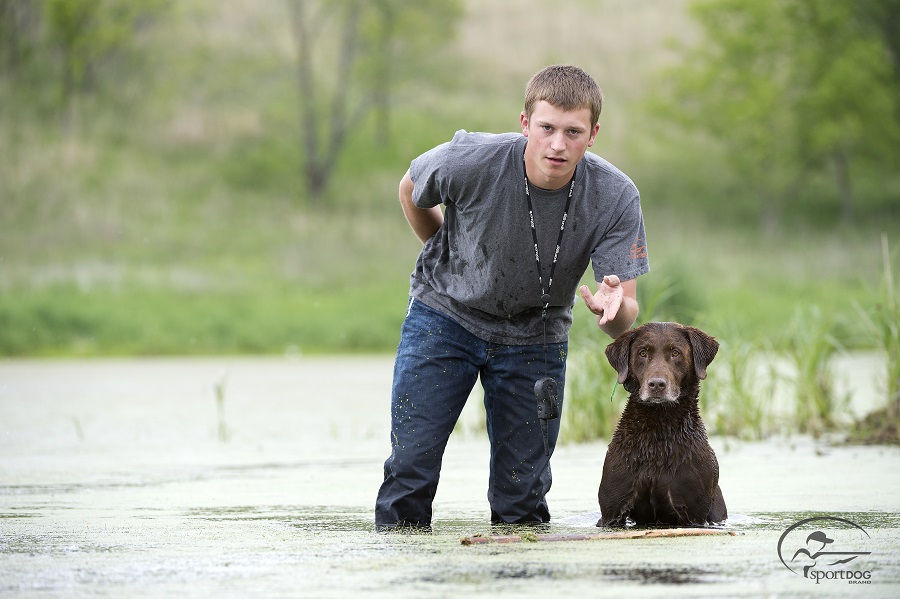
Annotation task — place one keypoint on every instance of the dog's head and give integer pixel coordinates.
(659, 360)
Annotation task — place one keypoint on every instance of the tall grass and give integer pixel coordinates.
(754, 364)
(737, 398)
(811, 347)
(223, 433)
(593, 401)
(882, 323)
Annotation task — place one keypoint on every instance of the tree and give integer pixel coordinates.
(406, 36)
(18, 28)
(352, 56)
(87, 34)
(882, 17)
(845, 103)
(788, 87)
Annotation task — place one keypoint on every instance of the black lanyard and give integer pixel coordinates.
(545, 294)
(545, 389)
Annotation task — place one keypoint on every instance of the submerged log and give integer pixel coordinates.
(651, 533)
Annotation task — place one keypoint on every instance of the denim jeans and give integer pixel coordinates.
(438, 363)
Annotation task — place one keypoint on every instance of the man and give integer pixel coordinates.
(493, 290)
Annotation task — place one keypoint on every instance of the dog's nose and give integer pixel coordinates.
(656, 384)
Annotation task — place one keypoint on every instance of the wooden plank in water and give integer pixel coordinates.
(651, 533)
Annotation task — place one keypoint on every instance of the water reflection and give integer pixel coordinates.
(667, 575)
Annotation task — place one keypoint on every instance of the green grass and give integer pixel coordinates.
(67, 321)
(737, 399)
(593, 399)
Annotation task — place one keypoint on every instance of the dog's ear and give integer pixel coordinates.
(704, 348)
(618, 352)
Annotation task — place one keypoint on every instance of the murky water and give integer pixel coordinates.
(123, 479)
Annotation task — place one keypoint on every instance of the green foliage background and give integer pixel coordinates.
(152, 198)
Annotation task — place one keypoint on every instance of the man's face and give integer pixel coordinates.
(557, 140)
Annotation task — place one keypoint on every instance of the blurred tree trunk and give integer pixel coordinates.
(383, 75)
(844, 185)
(325, 123)
(70, 24)
(18, 22)
(352, 55)
(883, 16)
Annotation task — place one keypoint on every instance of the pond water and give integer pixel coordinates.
(126, 478)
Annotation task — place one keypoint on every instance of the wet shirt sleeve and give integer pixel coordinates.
(431, 176)
(622, 251)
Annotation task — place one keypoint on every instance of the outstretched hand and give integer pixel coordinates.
(607, 301)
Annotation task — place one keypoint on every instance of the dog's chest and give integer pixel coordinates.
(657, 450)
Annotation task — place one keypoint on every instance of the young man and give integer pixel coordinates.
(493, 290)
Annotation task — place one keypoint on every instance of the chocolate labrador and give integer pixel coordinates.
(659, 467)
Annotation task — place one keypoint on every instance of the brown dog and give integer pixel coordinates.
(659, 467)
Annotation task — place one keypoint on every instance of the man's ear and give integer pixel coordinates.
(523, 119)
(594, 134)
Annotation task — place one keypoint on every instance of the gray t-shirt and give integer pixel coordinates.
(480, 267)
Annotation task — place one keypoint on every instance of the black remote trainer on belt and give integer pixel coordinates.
(545, 391)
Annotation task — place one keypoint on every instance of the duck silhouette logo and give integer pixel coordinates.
(818, 548)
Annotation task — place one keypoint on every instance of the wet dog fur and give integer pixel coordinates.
(659, 467)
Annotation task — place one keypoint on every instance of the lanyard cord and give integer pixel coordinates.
(545, 293)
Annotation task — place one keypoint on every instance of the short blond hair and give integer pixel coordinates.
(565, 87)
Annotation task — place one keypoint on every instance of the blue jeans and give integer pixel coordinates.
(437, 365)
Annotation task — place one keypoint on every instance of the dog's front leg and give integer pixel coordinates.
(617, 493)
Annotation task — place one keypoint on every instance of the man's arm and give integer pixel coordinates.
(424, 221)
(615, 304)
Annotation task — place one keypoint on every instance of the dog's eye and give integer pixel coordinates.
(675, 353)
(642, 353)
